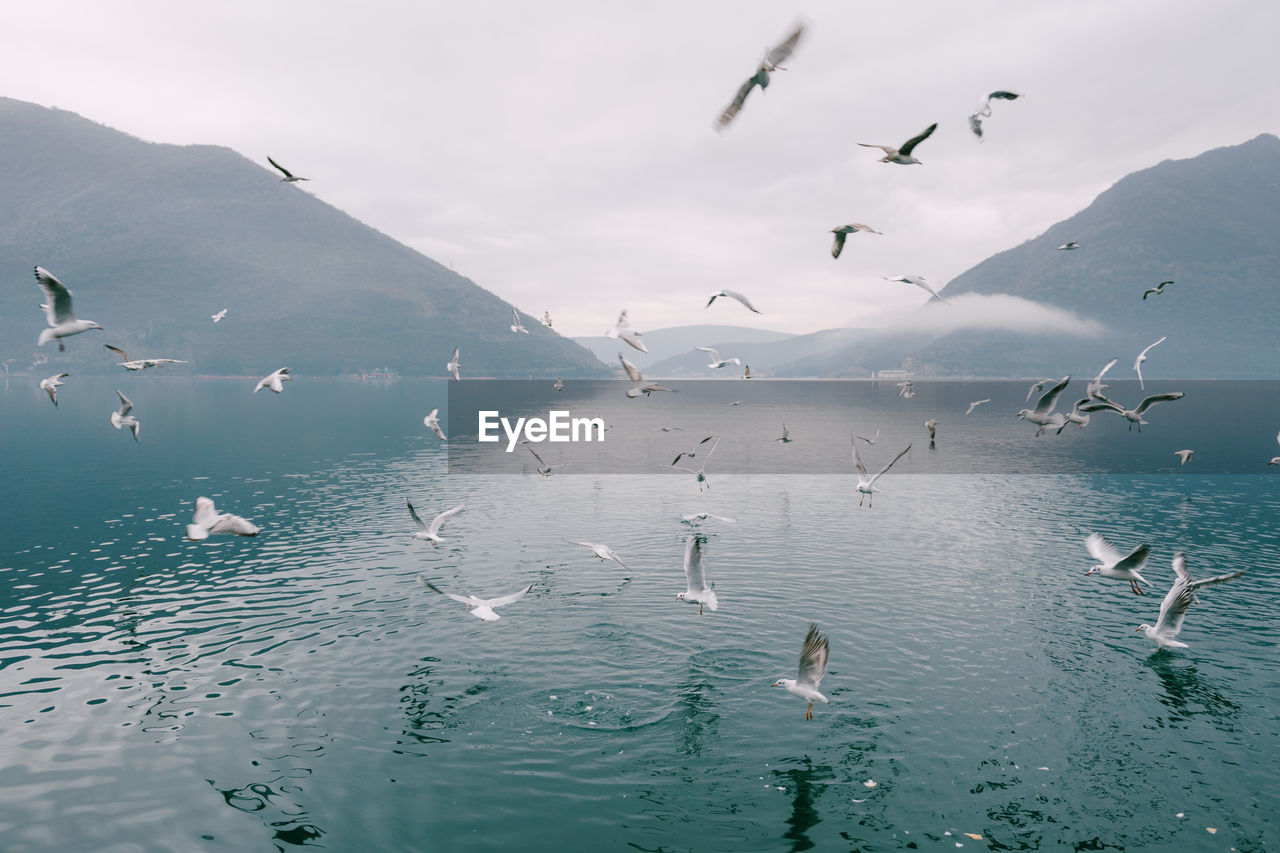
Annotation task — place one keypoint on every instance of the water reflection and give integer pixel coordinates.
(804, 784)
(1187, 693)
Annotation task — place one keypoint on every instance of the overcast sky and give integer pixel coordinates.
(561, 154)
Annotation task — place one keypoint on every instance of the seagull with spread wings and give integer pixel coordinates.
(844, 231)
(1174, 607)
(274, 381)
(918, 281)
(432, 421)
(454, 364)
(516, 325)
(903, 155)
(122, 418)
(813, 666)
(289, 177)
(698, 591)
(140, 363)
(206, 520)
(732, 294)
(1142, 356)
(1043, 415)
(1134, 415)
(716, 360)
(984, 109)
(431, 532)
(50, 386)
(772, 61)
(867, 483)
(58, 312)
(481, 608)
(1113, 564)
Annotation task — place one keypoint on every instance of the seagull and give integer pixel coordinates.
(1068, 246)
(1158, 289)
(1040, 415)
(1095, 388)
(140, 363)
(516, 325)
(1275, 460)
(785, 438)
(703, 516)
(844, 231)
(220, 316)
(481, 608)
(867, 485)
(559, 384)
(1174, 607)
(772, 61)
(736, 402)
(50, 386)
(1039, 386)
(274, 381)
(57, 311)
(1113, 564)
(604, 552)
(1078, 416)
(1134, 415)
(813, 666)
(746, 371)
(1184, 455)
(1142, 356)
(432, 531)
(906, 390)
(902, 155)
(984, 110)
(639, 386)
(871, 440)
(698, 592)
(700, 472)
(622, 330)
(208, 520)
(452, 366)
(546, 319)
(433, 422)
(289, 177)
(917, 280)
(542, 467)
(732, 294)
(716, 360)
(932, 426)
(975, 404)
(121, 417)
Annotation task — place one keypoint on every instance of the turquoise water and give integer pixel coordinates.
(302, 689)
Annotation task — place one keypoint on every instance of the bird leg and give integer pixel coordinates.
(699, 608)
(808, 715)
(860, 498)
(62, 347)
(1137, 590)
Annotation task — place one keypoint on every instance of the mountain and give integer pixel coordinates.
(673, 341)
(153, 239)
(1211, 224)
(765, 357)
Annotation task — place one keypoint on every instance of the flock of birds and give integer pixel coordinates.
(63, 323)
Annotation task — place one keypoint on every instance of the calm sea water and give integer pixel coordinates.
(301, 689)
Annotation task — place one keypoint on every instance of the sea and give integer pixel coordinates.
(303, 689)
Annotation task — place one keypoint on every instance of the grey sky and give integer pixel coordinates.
(562, 154)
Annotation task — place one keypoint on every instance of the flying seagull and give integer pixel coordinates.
(274, 381)
(716, 360)
(785, 438)
(771, 62)
(1158, 289)
(918, 281)
(622, 330)
(1275, 460)
(1134, 415)
(871, 440)
(121, 418)
(1174, 607)
(700, 472)
(1043, 415)
(604, 552)
(932, 426)
(140, 363)
(639, 386)
(516, 325)
(432, 421)
(703, 516)
(984, 109)
(1142, 356)
(206, 520)
(844, 231)
(1078, 415)
(432, 531)
(546, 319)
(1039, 386)
(50, 386)
(1095, 388)
(453, 364)
(542, 467)
(1068, 246)
(746, 371)
(867, 484)
(1184, 455)
(1113, 564)
(57, 311)
(289, 177)
(975, 404)
(813, 666)
(732, 294)
(220, 316)
(902, 155)
(559, 384)
(481, 608)
(699, 592)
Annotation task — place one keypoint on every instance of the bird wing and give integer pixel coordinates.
(1174, 607)
(229, 523)
(1050, 397)
(503, 600)
(888, 149)
(413, 513)
(838, 244)
(1180, 567)
(707, 455)
(285, 171)
(975, 123)
(1002, 95)
(541, 461)
(126, 405)
(881, 472)
(715, 356)
(461, 599)
(1142, 356)
(911, 143)
(733, 294)
(813, 659)
(633, 372)
(57, 304)
(633, 339)
(1148, 292)
(455, 356)
(857, 462)
(124, 356)
(1148, 402)
(783, 50)
(205, 515)
(1136, 560)
(1102, 550)
(443, 517)
(731, 111)
(1103, 371)
(694, 574)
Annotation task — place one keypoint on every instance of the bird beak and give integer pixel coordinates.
(1091, 571)
(1136, 630)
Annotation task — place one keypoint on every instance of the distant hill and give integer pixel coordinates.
(1211, 224)
(153, 239)
(765, 357)
(673, 341)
